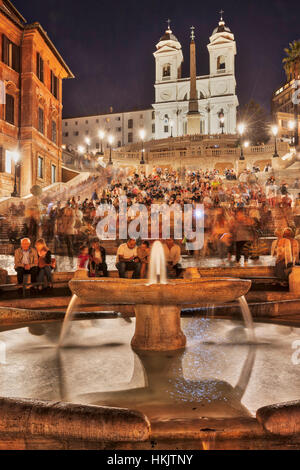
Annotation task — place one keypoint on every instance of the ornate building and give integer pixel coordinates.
(216, 92)
(31, 74)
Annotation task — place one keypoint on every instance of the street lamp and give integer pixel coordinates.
(222, 120)
(16, 158)
(87, 141)
(275, 133)
(101, 135)
(142, 136)
(171, 125)
(241, 130)
(292, 126)
(110, 141)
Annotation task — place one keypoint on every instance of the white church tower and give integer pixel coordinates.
(216, 92)
(168, 61)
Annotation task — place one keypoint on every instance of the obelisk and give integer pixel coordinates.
(193, 116)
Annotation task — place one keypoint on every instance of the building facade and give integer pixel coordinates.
(168, 116)
(216, 91)
(31, 74)
(123, 127)
(283, 109)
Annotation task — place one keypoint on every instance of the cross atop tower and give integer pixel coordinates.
(192, 33)
(169, 22)
(221, 13)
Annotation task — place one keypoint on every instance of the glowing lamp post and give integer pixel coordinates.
(87, 141)
(101, 135)
(142, 136)
(275, 133)
(222, 120)
(171, 125)
(16, 158)
(241, 130)
(292, 125)
(110, 141)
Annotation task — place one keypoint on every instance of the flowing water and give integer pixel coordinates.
(219, 374)
(157, 265)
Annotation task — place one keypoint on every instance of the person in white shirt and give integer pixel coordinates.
(127, 259)
(173, 258)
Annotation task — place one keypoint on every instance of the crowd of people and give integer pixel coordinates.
(238, 210)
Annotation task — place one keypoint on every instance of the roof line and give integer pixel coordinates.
(43, 33)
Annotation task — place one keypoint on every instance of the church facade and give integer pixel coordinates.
(216, 92)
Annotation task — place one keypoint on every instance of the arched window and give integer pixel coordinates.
(166, 70)
(221, 63)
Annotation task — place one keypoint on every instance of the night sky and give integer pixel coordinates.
(108, 45)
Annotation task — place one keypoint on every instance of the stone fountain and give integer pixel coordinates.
(158, 302)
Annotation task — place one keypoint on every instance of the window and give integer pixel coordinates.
(53, 132)
(10, 109)
(153, 128)
(66, 124)
(86, 121)
(118, 118)
(118, 129)
(153, 115)
(8, 160)
(119, 143)
(53, 174)
(76, 133)
(141, 116)
(166, 70)
(54, 85)
(39, 67)
(97, 121)
(41, 121)
(66, 134)
(10, 54)
(130, 123)
(130, 137)
(221, 63)
(40, 167)
(166, 129)
(76, 123)
(97, 145)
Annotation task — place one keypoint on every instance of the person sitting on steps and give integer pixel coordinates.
(128, 260)
(26, 262)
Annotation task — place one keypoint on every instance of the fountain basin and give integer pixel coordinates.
(158, 306)
(200, 291)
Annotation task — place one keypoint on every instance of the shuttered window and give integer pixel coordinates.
(54, 85)
(53, 132)
(10, 109)
(10, 54)
(39, 67)
(41, 121)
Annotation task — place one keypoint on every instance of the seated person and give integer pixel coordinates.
(286, 250)
(26, 261)
(44, 263)
(144, 256)
(97, 264)
(173, 258)
(83, 257)
(127, 259)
